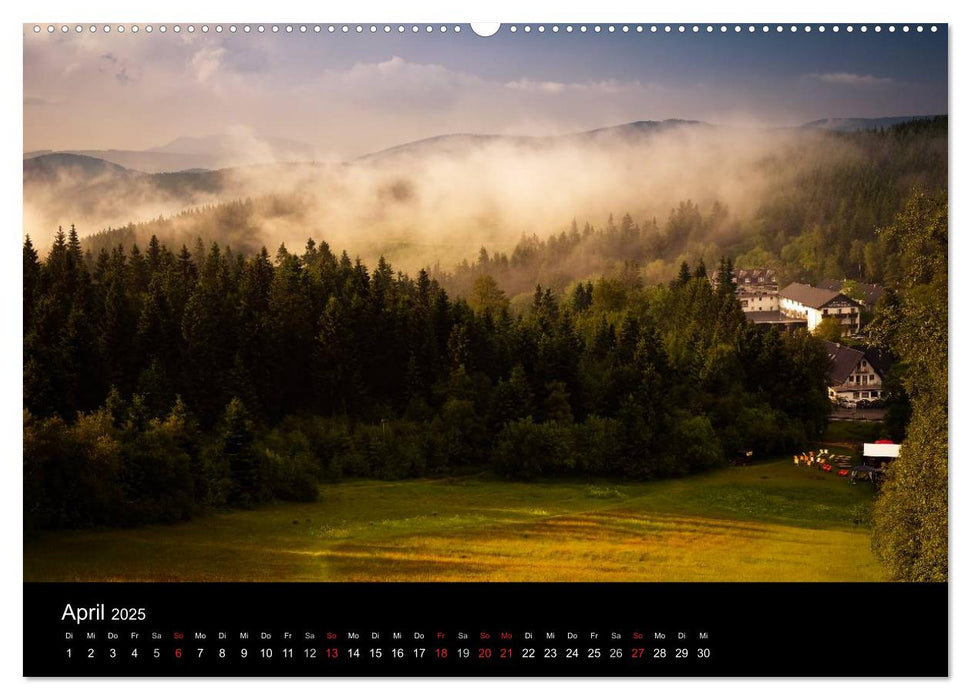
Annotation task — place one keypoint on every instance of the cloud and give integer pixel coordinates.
(549, 87)
(35, 101)
(545, 86)
(857, 79)
(206, 62)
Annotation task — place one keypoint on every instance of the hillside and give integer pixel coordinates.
(805, 201)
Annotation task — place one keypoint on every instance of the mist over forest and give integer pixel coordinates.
(528, 210)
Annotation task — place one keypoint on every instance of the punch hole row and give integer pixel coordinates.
(444, 29)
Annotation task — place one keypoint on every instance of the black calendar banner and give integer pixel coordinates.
(340, 630)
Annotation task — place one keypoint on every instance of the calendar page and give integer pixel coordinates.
(547, 349)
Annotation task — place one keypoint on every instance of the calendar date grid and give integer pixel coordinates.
(186, 646)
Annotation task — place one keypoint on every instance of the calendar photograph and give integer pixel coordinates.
(445, 304)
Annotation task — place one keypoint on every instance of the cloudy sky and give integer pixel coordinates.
(348, 94)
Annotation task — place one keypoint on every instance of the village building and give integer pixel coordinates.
(756, 279)
(758, 301)
(814, 304)
(856, 375)
(869, 294)
(751, 279)
(757, 289)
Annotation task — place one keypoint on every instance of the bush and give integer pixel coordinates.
(157, 476)
(597, 443)
(526, 449)
(71, 473)
(698, 446)
(288, 466)
(393, 450)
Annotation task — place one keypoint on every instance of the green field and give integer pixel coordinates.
(842, 431)
(766, 522)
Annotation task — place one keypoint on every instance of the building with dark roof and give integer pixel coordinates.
(855, 375)
(751, 279)
(814, 304)
(870, 293)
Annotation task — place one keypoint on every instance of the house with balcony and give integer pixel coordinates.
(868, 294)
(804, 301)
(856, 375)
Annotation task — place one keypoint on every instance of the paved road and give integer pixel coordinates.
(862, 414)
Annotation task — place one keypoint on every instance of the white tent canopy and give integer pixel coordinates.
(881, 450)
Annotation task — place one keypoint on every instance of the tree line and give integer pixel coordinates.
(161, 382)
(911, 512)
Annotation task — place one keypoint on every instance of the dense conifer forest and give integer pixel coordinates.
(159, 382)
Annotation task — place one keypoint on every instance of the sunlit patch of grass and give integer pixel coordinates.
(765, 522)
(594, 491)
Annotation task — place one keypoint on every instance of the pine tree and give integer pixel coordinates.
(32, 278)
(240, 455)
(684, 274)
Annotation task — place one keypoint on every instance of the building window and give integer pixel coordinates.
(871, 377)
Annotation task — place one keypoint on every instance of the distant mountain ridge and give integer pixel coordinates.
(862, 123)
(200, 153)
(446, 144)
(221, 151)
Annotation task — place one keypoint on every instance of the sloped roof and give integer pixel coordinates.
(808, 295)
(843, 361)
(880, 360)
(758, 317)
(749, 275)
(871, 292)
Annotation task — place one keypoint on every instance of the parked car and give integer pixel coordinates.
(863, 403)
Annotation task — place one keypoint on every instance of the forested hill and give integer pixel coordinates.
(822, 223)
(829, 194)
(160, 382)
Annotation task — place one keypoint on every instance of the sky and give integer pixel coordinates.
(350, 94)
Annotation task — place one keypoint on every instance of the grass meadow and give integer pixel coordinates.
(770, 521)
